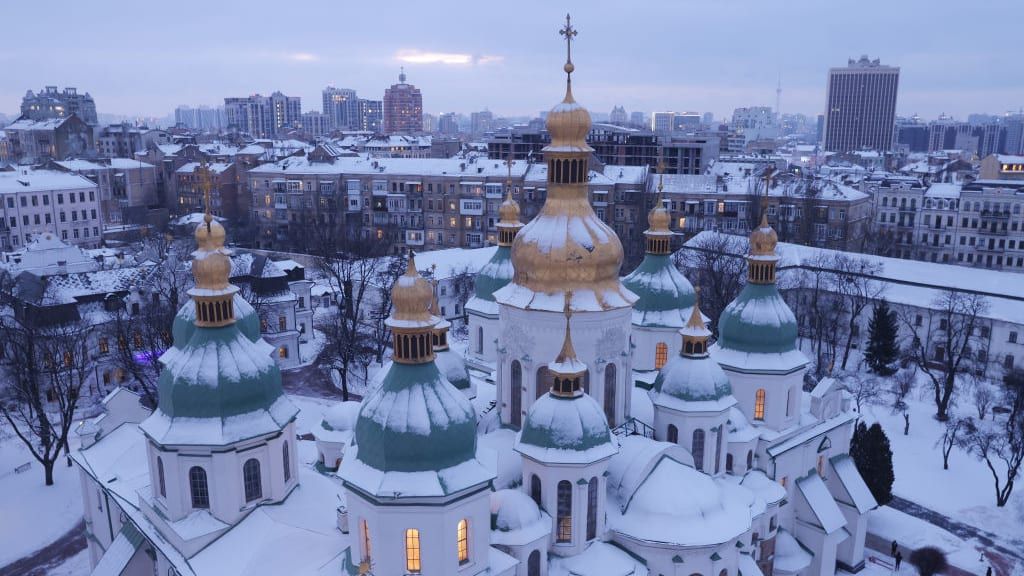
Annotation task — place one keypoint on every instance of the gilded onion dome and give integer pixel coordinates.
(566, 247)
(411, 298)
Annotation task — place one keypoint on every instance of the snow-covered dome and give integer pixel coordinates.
(558, 426)
(416, 421)
(665, 296)
(341, 417)
(759, 321)
(764, 487)
(679, 505)
(691, 380)
(513, 510)
(453, 366)
(494, 276)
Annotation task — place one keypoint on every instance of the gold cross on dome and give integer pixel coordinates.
(568, 32)
(204, 181)
(508, 163)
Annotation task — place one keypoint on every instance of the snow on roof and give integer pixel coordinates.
(45, 124)
(790, 556)
(362, 165)
(748, 567)
(764, 487)
(806, 434)
(194, 219)
(67, 288)
(821, 503)
(943, 190)
(1009, 159)
(432, 483)
(850, 478)
(453, 261)
(517, 519)
(32, 180)
(637, 456)
(215, 167)
(603, 558)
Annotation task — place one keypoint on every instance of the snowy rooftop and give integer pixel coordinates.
(361, 165)
(30, 180)
(215, 167)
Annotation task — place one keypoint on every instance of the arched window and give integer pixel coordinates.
(160, 476)
(660, 355)
(718, 449)
(517, 394)
(592, 508)
(535, 490)
(367, 549)
(197, 484)
(479, 339)
(287, 462)
(759, 404)
(724, 572)
(533, 564)
(697, 449)
(673, 434)
(771, 524)
(609, 393)
(251, 479)
(750, 459)
(412, 551)
(462, 537)
(564, 525)
(789, 401)
(728, 463)
(543, 381)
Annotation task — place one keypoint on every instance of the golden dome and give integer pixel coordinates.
(568, 122)
(412, 296)
(211, 265)
(763, 239)
(508, 212)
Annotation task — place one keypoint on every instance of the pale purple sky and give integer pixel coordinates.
(702, 55)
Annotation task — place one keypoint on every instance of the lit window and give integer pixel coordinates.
(104, 346)
(660, 355)
(759, 404)
(463, 541)
(367, 550)
(282, 352)
(564, 534)
(412, 551)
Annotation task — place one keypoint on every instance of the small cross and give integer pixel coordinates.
(509, 162)
(204, 177)
(568, 32)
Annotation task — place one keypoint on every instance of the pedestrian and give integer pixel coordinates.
(989, 571)
(894, 547)
(899, 560)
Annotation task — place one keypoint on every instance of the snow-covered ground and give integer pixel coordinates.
(25, 501)
(308, 351)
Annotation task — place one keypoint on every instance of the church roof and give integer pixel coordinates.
(494, 275)
(758, 320)
(566, 429)
(453, 366)
(516, 519)
(692, 383)
(665, 296)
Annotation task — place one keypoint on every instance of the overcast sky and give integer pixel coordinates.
(708, 56)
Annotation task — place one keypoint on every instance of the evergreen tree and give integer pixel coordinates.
(870, 451)
(882, 350)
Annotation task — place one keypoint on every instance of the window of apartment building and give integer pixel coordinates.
(842, 214)
(63, 234)
(453, 222)
(92, 195)
(24, 201)
(74, 216)
(75, 233)
(1013, 338)
(46, 200)
(85, 232)
(35, 219)
(14, 222)
(81, 196)
(24, 219)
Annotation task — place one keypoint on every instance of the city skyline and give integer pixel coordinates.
(632, 59)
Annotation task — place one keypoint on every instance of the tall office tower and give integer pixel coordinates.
(861, 106)
(1014, 143)
(637, 118)
(263, 116)
(371, 115)
(448, 124)
(481, 122)
(200, 118)
(403, 108)
(341, 106)
(53, 103)
(618, 116)
(663, 122)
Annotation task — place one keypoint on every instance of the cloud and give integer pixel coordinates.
(301, 57)
(414, 56)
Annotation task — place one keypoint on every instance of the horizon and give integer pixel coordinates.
(703, 66)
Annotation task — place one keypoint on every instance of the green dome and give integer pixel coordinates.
(565, 423)
(415, 422)
(495, 274)
(758, 321)
(245, 318)
(665, 295)
(694, 379)
(217, 373)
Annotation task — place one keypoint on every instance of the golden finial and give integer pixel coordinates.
(204, 182)
(696, 321)
(508, 181)
(568, 32)
(661, 178)
(567, 352)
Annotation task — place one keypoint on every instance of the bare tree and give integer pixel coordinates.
(386, 272)
(902, 385)
(999, 442)
(47, 367)
(140, 335)
(462, 284)
(944, 343)
(854, 283)
(715, 262)
(865, 391)
(952, 437)
(983, 395)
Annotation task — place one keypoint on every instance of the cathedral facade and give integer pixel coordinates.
(629, 442)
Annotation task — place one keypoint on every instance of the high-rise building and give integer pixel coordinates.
(448, 124)
(53, 103)
(315, 123)
(403, 108)
(861, 106)
(637, 118)
(371, 115)
(481, 122)
(662, 122)
(341, 106)
(618, 116)
(263, 116)
(201, 118)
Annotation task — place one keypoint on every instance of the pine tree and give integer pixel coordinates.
(875, 447)
(882, 350)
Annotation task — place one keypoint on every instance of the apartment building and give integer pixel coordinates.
(37, 202)
(225, 200)
(977, 224)
(1002, 167)
(420, 203)
(126, 187)
(124, 140)
(55, 138)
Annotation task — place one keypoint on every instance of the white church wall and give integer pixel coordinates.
(645, 346)
(483, 338)
(782, 396)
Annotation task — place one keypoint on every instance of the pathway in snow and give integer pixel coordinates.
(310, 380)
(40, 562)
(1004, 545)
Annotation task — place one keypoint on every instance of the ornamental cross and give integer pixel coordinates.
(769, 175)
(568, 32)
(508, 163)
(205, 183)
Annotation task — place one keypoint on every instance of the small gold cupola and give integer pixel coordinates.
(658, 235)
(508, 222)
(695, 333)
(440, 333)
(762, 259)
(411, 323)
(567, 370)
(211, 266)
